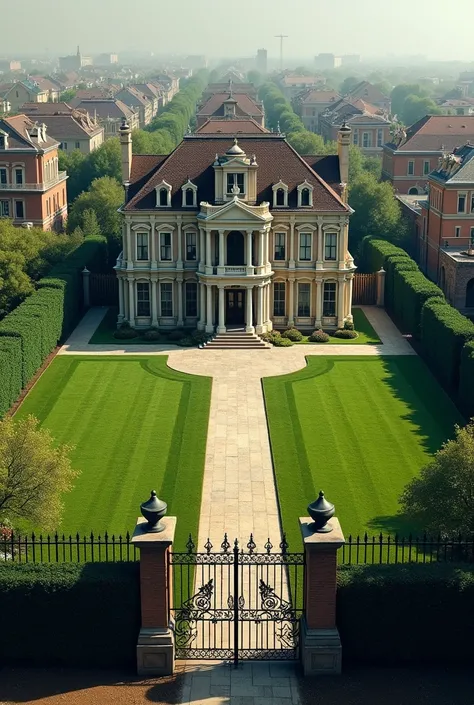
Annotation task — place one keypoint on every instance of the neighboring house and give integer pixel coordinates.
(292, 85)
(74, 129)
(247, 88)
(311, 103)
(21, 92)
(32, 189)
(226, 231)
(370, 94)
(412, 155)
(154, 93)
(230, 105)
(444, 233)
(48, 85)
(457, 106)
(370, 126)
(138, 102)
(110, 114)
(101, 92)
(234, 126)
(170, 85)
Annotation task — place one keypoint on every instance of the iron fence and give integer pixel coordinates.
(412, 549)
(67, 549)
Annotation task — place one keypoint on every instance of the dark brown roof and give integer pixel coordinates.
(367, 91)
(143, 166)
(437, 133)
(327, 166)
(106, 108)
(19, 129)
(194, 158)
(41, 109)
(215, 105)
(234, 126)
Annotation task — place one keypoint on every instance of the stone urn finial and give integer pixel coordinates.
(154, 510)
(320, 512)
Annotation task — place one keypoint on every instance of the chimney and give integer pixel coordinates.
(126, 146)
(343, 143)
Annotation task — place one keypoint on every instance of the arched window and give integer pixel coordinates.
(413, 191)
(470, 294)
(305, 197)
(163, 197)
(189, 197)
(280, 197)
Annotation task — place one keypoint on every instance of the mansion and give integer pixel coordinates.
(226, 232)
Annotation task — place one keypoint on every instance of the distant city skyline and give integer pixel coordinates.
(211, 27)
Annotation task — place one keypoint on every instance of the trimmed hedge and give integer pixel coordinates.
(466, 380)
(393, 264)
(411, 289)
(406, 614)
(31, 331)
(375, 252)
(444, 331)
(70, 615)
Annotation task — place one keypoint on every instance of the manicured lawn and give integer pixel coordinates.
(136, 426)
(367, 335)
(359, 428)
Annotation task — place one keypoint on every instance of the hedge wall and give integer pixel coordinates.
(374, 253)
(410, 291)
(406, 614)
(443, 333)
(10, 372)
(466, 380)
(69, 615)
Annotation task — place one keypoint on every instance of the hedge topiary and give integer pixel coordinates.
(292, 334)
(152, 334)
(318, 336)
(280, 342)
(345, 334)
(391, 615)
(175, 335)
(444, 331)
(70, 615)
(393, 264)
(411, 290)
(125, 332)
(466, 380)
(374, 253)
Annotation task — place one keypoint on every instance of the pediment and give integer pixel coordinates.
(238, 211)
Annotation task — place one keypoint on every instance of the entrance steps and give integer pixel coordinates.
(237, 339)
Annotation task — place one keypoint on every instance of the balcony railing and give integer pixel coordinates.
(44, 186)
(232, 271)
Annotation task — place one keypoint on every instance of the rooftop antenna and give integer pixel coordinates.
(281, 37)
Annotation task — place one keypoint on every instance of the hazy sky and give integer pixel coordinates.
(435, 28)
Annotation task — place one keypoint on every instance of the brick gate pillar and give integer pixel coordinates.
(320, 641)
(155, 647)
(381, 286)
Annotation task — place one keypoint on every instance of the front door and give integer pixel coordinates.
(234, 307)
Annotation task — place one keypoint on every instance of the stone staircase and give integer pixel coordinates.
(237, 339)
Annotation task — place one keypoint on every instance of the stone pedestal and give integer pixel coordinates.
(155, 647)
(381, 287)
(320, 644)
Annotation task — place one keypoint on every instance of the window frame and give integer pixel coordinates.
(330, 300)
(412, 163)
(78, 145)
(281, 246)
(300, 246)
(367, 135)
(16, 202)
(355, 137)
(464, 197)
(304, 308)
(280, 186)
(331, 246)
(425, 163)
(164, 245)
(236, 175)
(472, 202)
(19, 172)
(140, 301)
(457, 231)
(380, 141)
(187, 299)
(278, 300)
(303, 187)
(5, 202)
(165, 300)
(140, 246)
(192, 233)
(471, 236)
(4, 170)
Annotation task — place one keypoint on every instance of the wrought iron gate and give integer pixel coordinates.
(237, 604)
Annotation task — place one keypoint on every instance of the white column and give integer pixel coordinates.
(266, 258)
(179, 263)
(221, 250)
(131, 300)
(340, 303)
(130, 257)
(261, 243)
(259, 309)
(249, 317)
(319, 303)
(208, 248)
(249, 249)
(292, 245)
(320, 242)
(179, 287)
(350, 282)
(121, 313)
(202, 250)
(202, 306)
(154, 304)
(221, 326)
(153, 246)
(291, 304)
(209, 326)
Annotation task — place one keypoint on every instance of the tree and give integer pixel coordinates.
(90, 224)
(401, 92)
(67, 95)
(306, 142)
(348, 84)
(414, 108)
(104, 197)
(441, 497)
(34, 473)
(255, 77)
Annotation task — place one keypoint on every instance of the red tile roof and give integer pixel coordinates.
(437, 133)
(215, 105)
(234, 126)
(194, 159)
(320, 96)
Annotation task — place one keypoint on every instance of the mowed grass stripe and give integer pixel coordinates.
(136, 425)
(367, 426)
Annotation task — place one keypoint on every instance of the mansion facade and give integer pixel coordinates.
(235, 233)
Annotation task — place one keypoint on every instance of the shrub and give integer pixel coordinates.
(411, 290)
(186, 342)
(378, 606)
(345, 334)
(292, 334)
(125, 332)
(280, 342)
(175, 335)
(199, 337)
(444, 331)
(101, 599)
(152, 334)
(466, 380)
(348, 325)
(318, 336)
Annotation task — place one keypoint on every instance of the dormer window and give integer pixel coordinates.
(280, 195)
(234, 182)
(189, 191)
(163, 195)
(305, 194)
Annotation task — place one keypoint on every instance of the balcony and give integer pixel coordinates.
(235, 271)
(45, 186)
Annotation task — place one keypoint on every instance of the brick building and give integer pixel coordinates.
(310, 104)
(369, 124)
